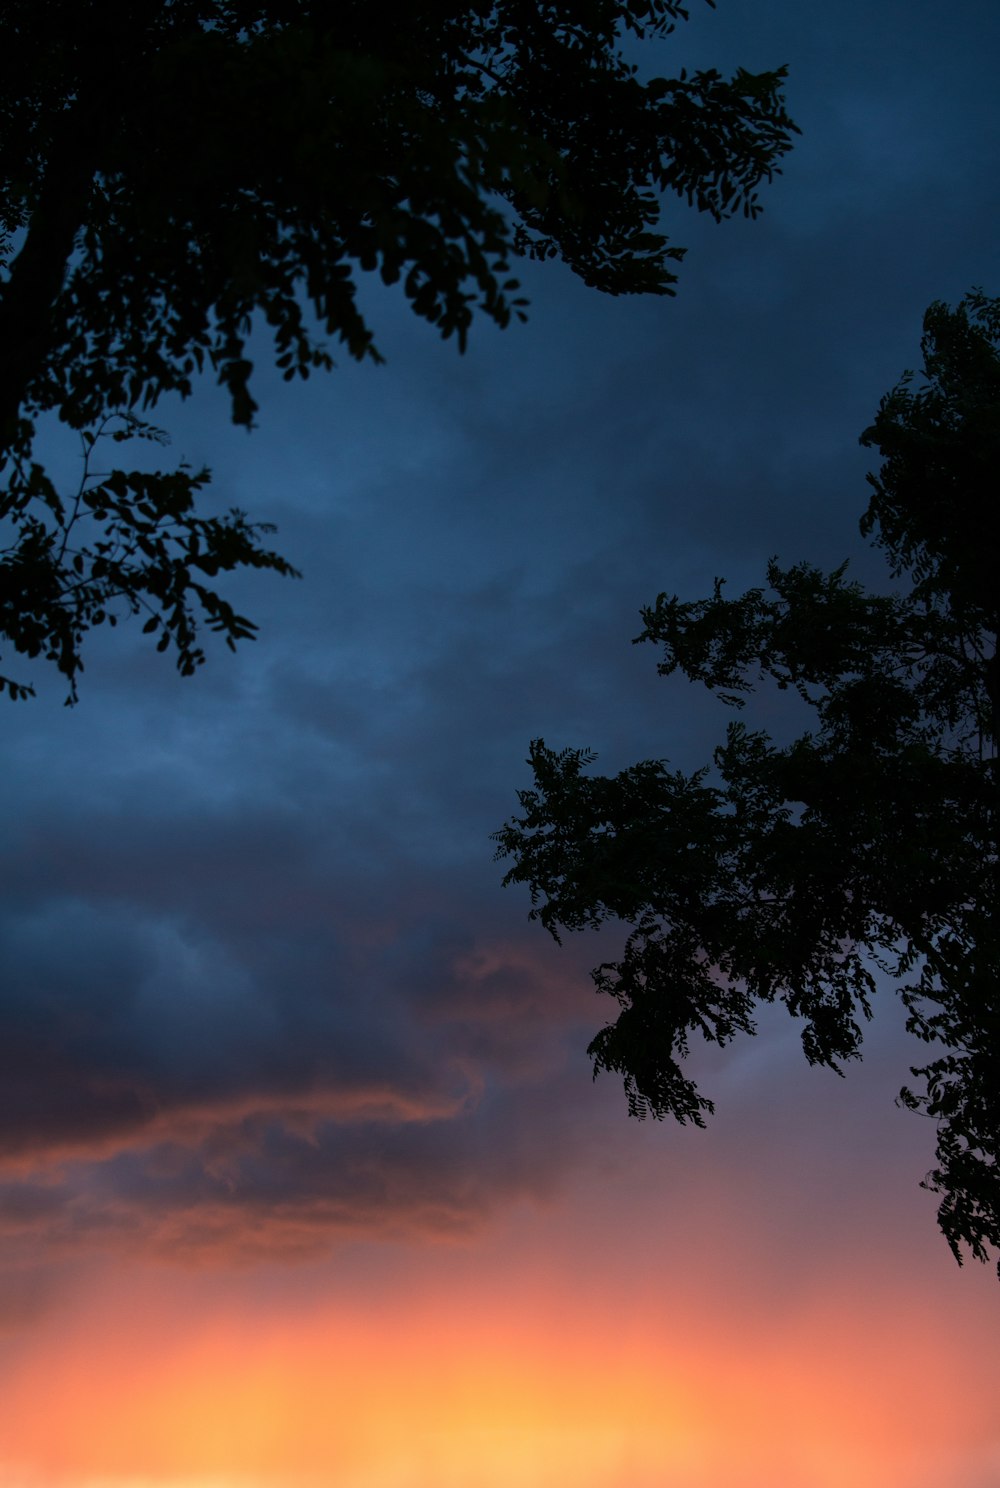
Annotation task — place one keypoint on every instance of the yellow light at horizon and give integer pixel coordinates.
(459, 1376)
(432, 1398)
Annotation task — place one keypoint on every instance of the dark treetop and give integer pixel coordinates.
(868, 845)
(172, 171)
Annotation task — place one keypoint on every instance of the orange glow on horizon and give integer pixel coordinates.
(612, 1337)
(527, 1387)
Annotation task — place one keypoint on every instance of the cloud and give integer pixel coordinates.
(260, 985)
(219, 1040)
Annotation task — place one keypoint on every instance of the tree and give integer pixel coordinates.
(173, 171)
(868, 846)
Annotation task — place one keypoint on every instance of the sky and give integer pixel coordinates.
(304, 1179)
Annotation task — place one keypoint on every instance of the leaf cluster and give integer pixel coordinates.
(174, 173)
(867, 846)
(220, 162)
(127, 543)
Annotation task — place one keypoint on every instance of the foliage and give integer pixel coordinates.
(868, 845)
(130, 542)
(174, 171)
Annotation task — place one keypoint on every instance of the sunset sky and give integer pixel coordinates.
(305, 1180)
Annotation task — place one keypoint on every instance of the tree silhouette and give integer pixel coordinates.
(870, 844)
(174, 171)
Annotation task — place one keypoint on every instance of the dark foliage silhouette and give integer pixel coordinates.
(868, 845)
(173, 172)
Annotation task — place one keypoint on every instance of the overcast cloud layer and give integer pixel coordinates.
(261, 989)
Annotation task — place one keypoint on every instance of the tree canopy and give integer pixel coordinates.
(868, 848)
(174, 172)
